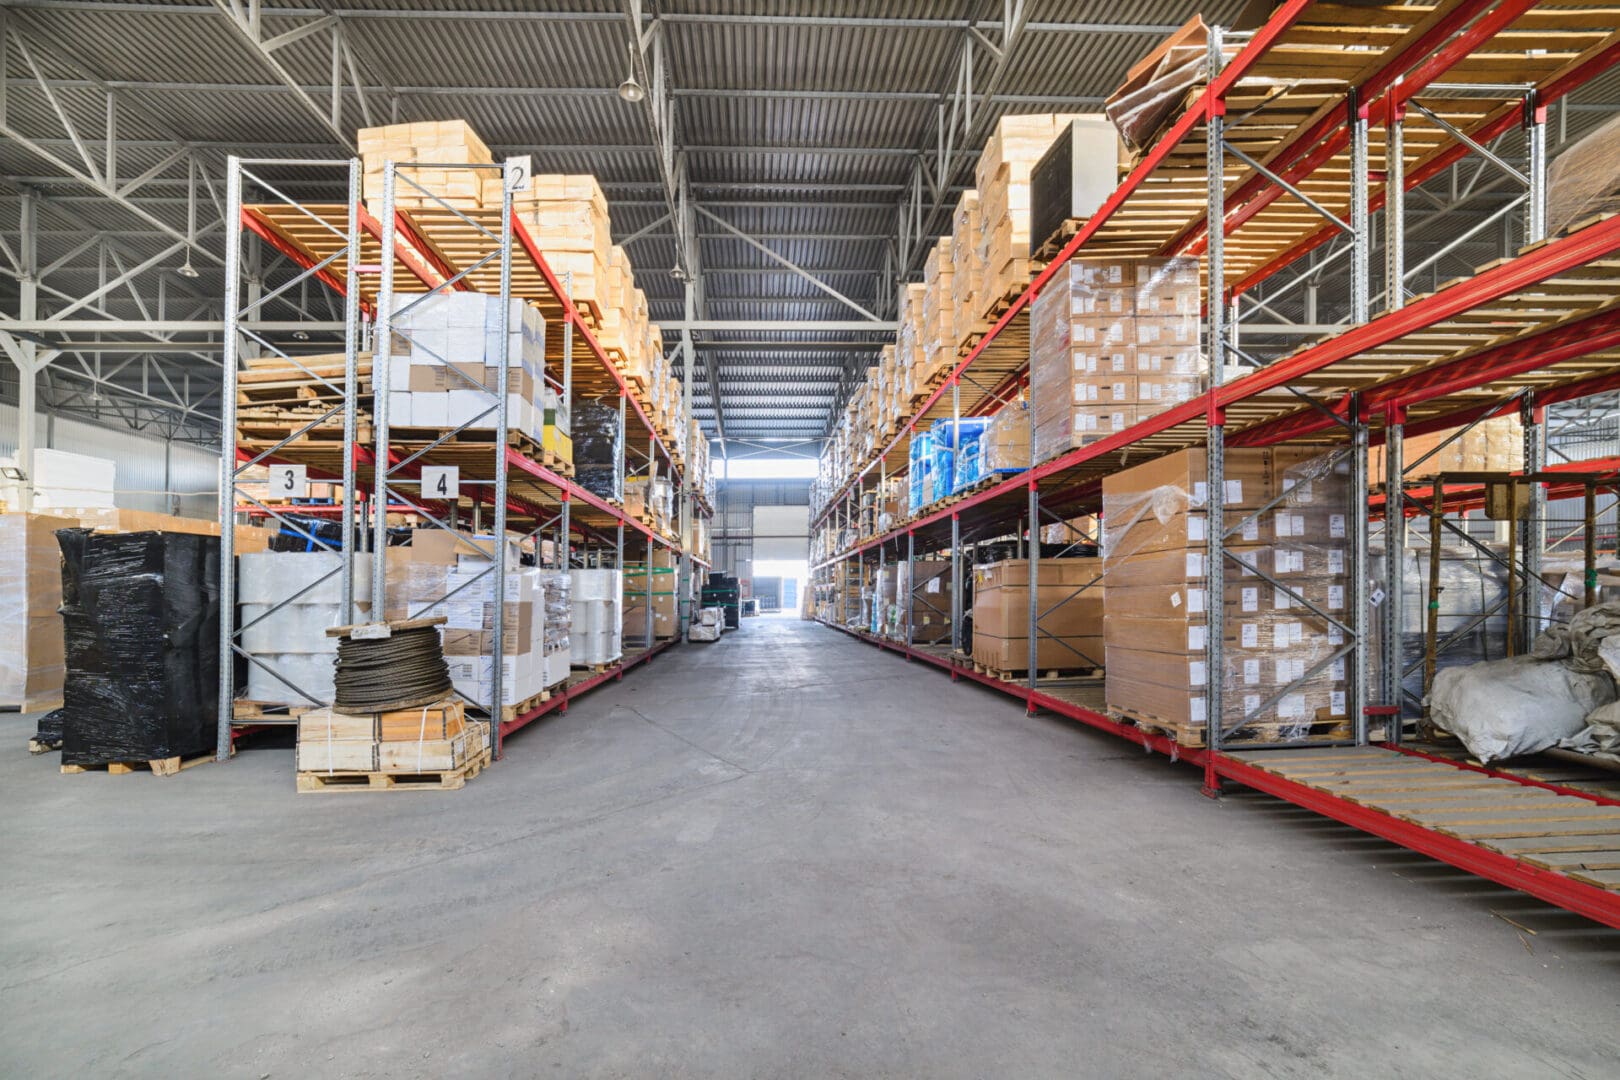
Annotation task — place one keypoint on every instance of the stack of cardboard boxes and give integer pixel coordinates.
(967, 273)
(1002, 181)
(1112, 342)
(567, 218)
(1494, 445)
(662, 610)
(433, 142)
(1069, 594)
(437, 739)
(938, 331)
(444, 366)
(32, 663)
(1156, 563)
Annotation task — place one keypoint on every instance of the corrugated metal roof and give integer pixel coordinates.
(802, 121)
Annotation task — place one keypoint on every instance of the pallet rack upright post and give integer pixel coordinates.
(238, 325)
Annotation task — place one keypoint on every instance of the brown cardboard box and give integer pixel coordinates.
(1119, 359)
(1001, 600)
(1161, 331)
(1175, 566)
(1161, 522)
(1183, 360)
(1250, 478)
(1091, 424)
(1101, 331)
(1051, 654)
(1105, 390)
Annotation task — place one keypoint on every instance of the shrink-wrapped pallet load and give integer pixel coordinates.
(1285, 668)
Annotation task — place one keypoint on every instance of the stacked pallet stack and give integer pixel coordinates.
(1069, 596)
(1284, 673)
(1002, 181)
(444, 368)
(1112, 342)
(661, 612)
(938, 331)
(1494, 445)
(434, 746)
(910, 339)
(567, 218)
(967, 272)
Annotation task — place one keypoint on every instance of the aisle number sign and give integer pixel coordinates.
(519, 172)
(441, 481)
(289, 482)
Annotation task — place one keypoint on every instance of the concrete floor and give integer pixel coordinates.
(783, 855)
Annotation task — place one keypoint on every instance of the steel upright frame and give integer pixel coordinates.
(398, 233)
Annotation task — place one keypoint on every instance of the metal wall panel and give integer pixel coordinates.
(179, 478)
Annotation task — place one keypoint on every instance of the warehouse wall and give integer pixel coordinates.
(733, 536)
(190, 477)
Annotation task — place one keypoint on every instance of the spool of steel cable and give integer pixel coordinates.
(383, 666)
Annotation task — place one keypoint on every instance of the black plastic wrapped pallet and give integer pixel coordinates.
(140, 614)
(597, 449)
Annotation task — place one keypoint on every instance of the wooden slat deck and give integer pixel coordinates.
(1298, 82)
(1566, 834)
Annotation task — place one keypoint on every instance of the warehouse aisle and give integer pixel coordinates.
(783, 854)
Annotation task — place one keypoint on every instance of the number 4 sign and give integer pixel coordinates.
(441, 481)
(289, 482)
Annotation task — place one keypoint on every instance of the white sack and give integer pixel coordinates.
(1505, 708)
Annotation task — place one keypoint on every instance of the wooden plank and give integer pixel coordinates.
(1489, 833)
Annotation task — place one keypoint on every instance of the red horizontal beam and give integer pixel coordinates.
(1601, 59)
(1555, 345)
(1599, 905)
(417, 254)
(1434, 52)
(1594, 903)
(1281, 19)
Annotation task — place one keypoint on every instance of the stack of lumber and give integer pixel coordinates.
(435, 142)
(1002, 180)
(431, 747)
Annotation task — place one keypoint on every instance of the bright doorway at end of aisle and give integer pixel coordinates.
(778, 584)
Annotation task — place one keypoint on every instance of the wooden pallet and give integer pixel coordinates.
(1054, 243)
(1048, 675)
(1566, 834)
(1260, 731)
(381, 781)
(244, 711)
(157, 766)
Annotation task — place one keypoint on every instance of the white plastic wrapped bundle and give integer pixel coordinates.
(292, 639)
(597, 616)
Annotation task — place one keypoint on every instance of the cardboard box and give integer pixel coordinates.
(1051, 654)
(1251, 476)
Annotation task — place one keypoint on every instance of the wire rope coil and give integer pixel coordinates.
(402, 670)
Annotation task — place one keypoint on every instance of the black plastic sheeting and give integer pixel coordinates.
(597, 449)
(140, 619)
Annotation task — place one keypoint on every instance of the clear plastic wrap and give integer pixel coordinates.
(1006, 441)
(32, 663)
(1158, 84)
(1584, 180)
(1112, 342)
(1281, 672)
(597, 449)
(921, 460)
(140, 618)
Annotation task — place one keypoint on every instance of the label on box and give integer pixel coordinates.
(1335, 635)
(1335, 597)
(1251, 672)
(1292, 707)
(1251, 703)
(1336, 561)
(1336, 526)
(1250, 600)
(1195, 709)
(1280, 600)
(1289, 525)
(1336, 701)
(1195, 673)
(1289, 670)
(1194, 564)
(1249, 636)
(1197, 637)
(1175, 600)
(1338, 670)
(1288, 561)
